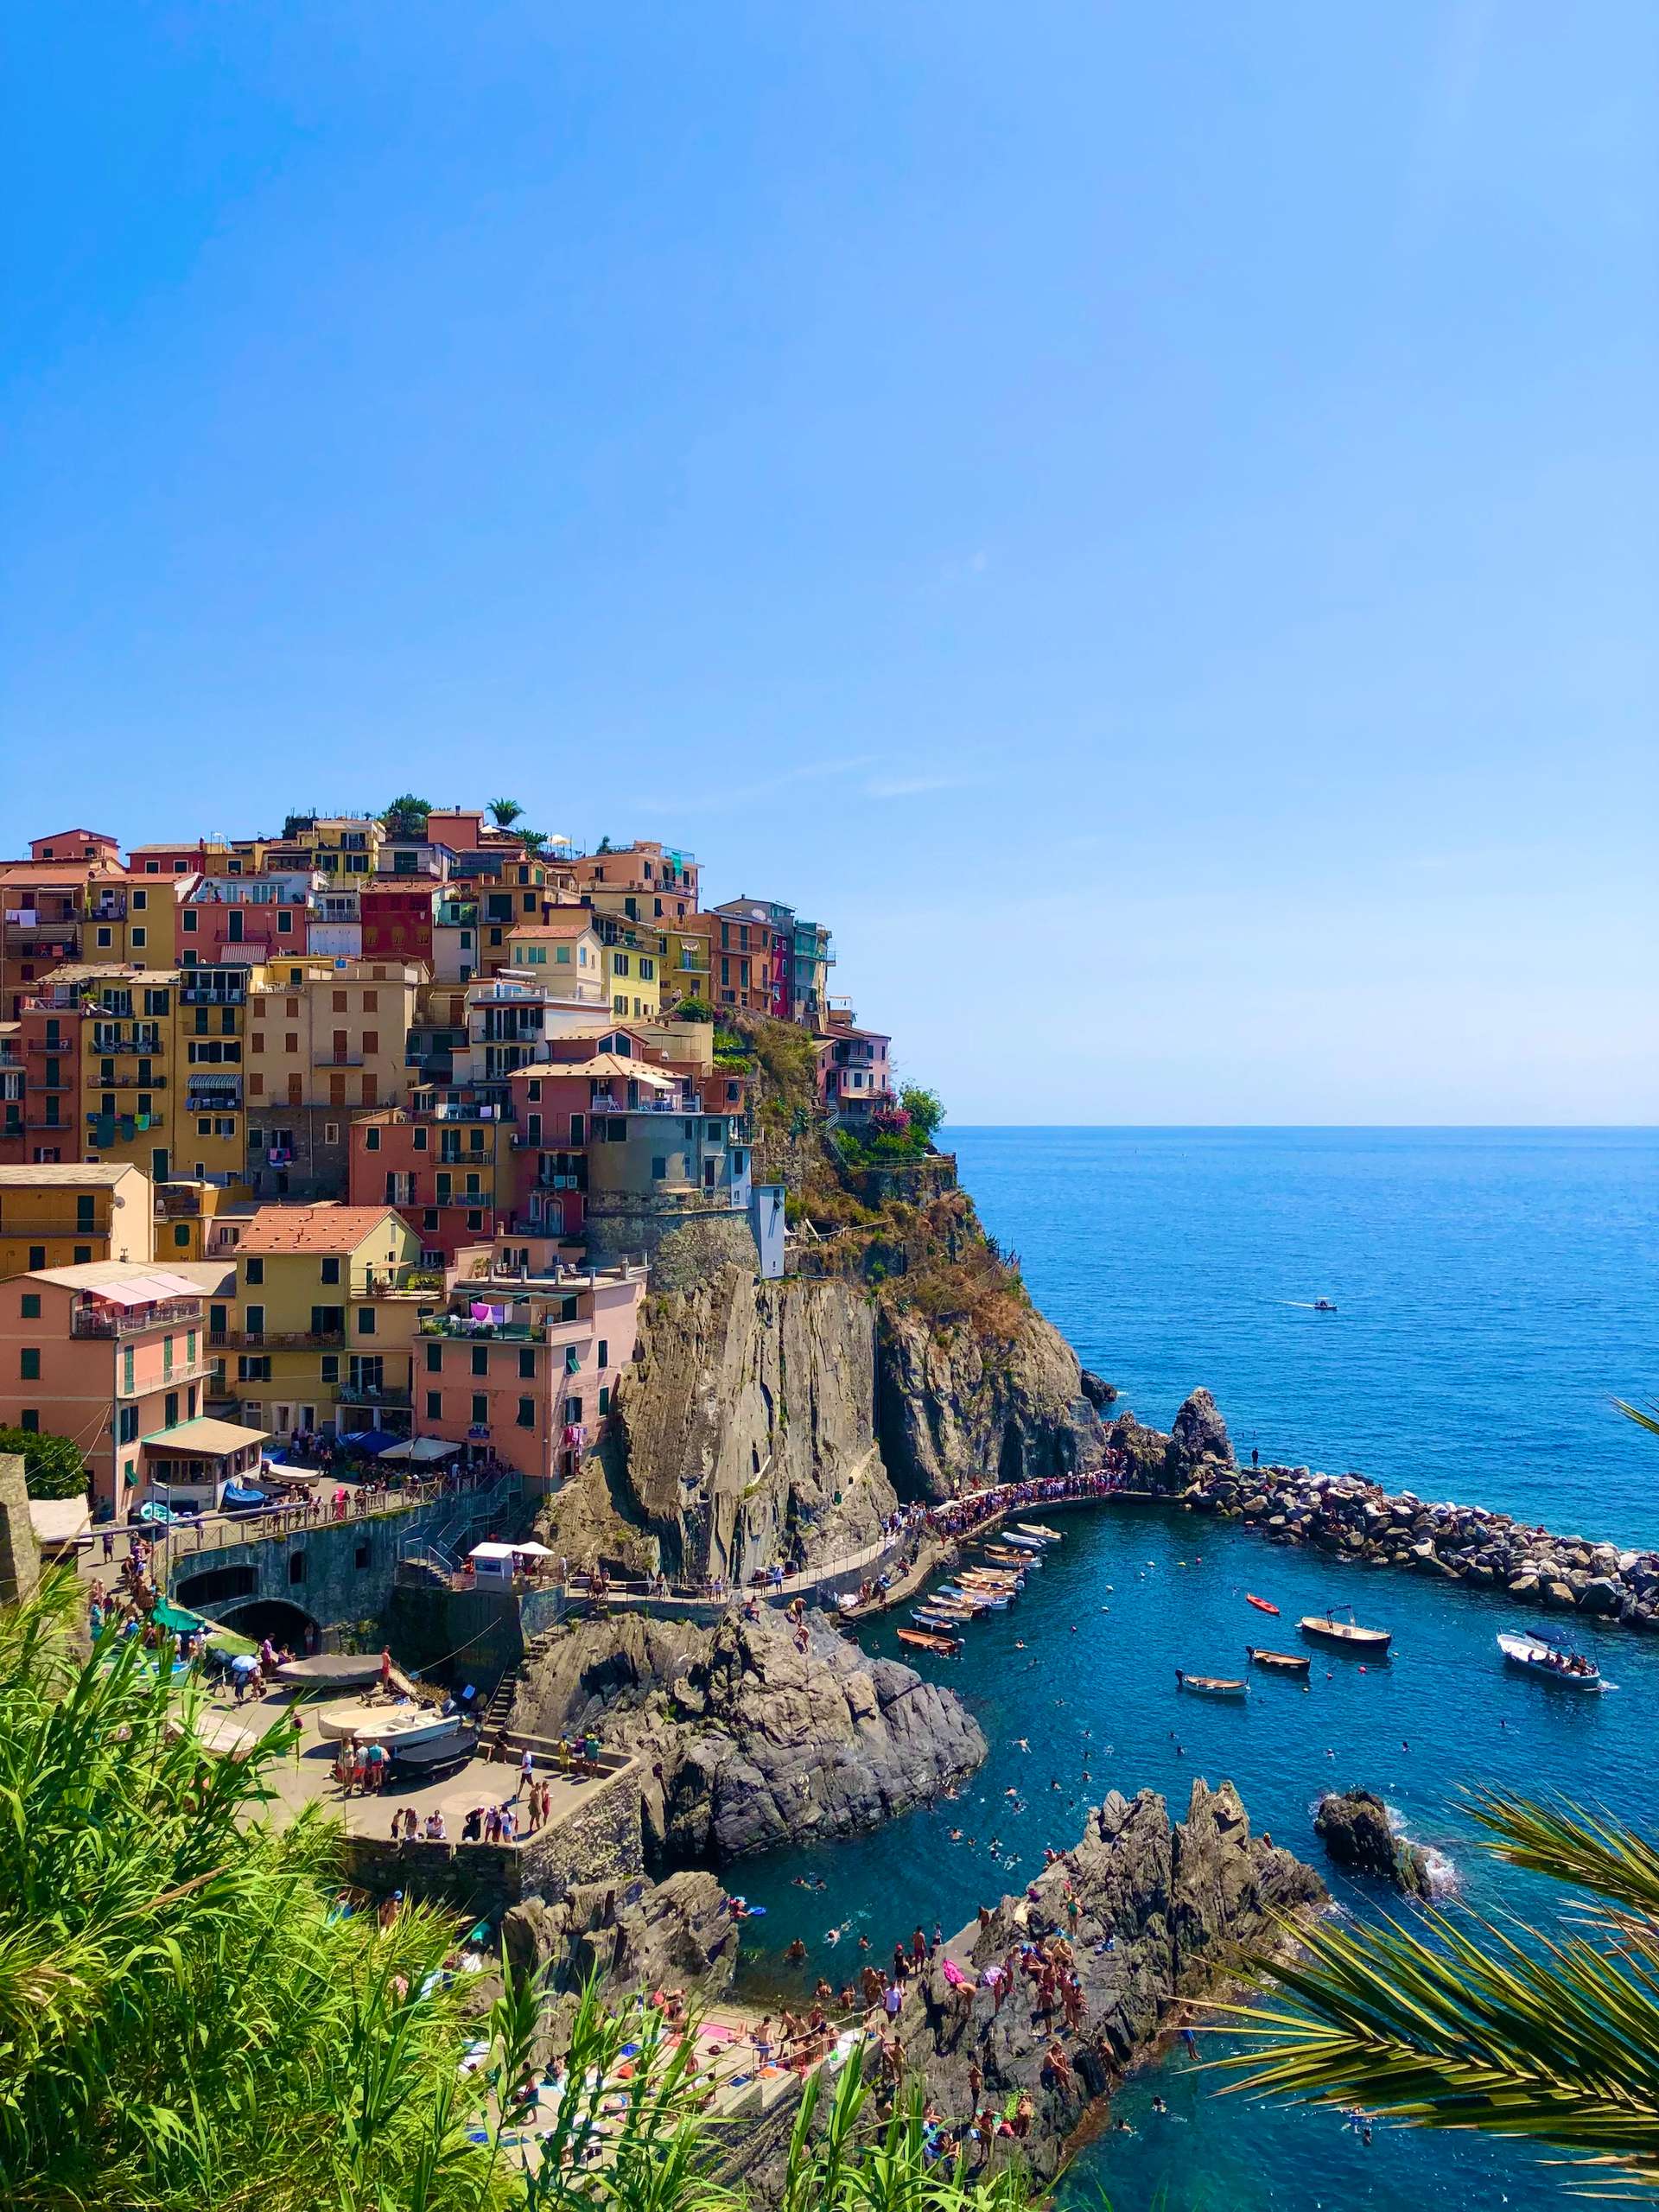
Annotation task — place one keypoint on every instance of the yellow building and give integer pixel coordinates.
(665, 929)
(186, 1212)
(161, 1067)
(68, 1216)
(319, 1291)
(325, 1042)
(345, 847)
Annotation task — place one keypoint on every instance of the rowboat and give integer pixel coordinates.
(1345, 1636)
(924, 1616)
(1211, 1685)
(1536, 1655)
(1027, 1547)
(978, 1599)
(923, 1639)
(1004, 1558)
(1261, 1604)
(394, 1726)
(1036, 1528)
(1278, 1663)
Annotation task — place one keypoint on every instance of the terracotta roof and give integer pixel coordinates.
(312, 1228)
(568, 921)
(63, 1175)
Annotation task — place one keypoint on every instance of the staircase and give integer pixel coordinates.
(494, 1724)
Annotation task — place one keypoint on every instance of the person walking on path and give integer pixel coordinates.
(526, 1773)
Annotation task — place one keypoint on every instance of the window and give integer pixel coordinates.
(188, 921)
(527, 1365)
(658, 1167)
(205, 1125)
(370, 1139)
(573, 1410)
(360, 1557)
(331, 1366)
(526, 1413)
(127, 1425)
(182, 1235)
(330, 1269)
(30, 1419)
(435, 1359)
(139, 936)
(604, 1354)
(31, 1308)
(30, 1369)
(331, 1132)
(604, 1400)
(365, 1320)
(256, 1270)
(297, 1568)
(83, 1255)
(141, 899)
(480, 1410)
(170, 1410)
(481, 1360)
(434, 1405)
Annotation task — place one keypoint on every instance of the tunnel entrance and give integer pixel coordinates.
(285, 1624)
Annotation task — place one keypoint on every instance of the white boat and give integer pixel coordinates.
(977, 1597)
(390, 1725)
(1036, 1528)
(1536, 1655)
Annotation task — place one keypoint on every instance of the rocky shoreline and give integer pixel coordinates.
(1357, 1519)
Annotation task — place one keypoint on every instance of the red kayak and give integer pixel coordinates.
(1260, 1604)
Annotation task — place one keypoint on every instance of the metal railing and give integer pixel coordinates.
(129, 1321)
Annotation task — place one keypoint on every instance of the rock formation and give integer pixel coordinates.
(676, 1934)
(749, 1742)
(1162, 1909)
(1354, 1824)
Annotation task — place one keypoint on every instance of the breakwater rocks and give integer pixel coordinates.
(1358, 1834)
(749, 1742)
(1358, 1519)
(1162, 1909)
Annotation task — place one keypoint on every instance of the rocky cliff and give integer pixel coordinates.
(1162, 1910)
(676, 1934)
(750, 1742)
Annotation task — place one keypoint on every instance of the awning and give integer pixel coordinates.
(374, 1441)
(214, 1439)
(59, 1520)
(493, 1551)
(144, 1290)
(533, 1551)
(423, 1449)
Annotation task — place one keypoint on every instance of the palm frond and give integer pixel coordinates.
(1650, 1420)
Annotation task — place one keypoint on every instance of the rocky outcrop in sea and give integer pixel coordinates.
(1162, 1910)
(1357, 1833)
(748, 1742)
(675, 1933)
(1358, 1519)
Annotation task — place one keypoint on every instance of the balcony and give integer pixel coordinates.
(149, 1120)
(338, 1060)
(56, 1047)
(375, 1394)
(463, 1327)
(105, 1044)
(215, 993)
(109, 907)
(175, 1202)
(39, 1225)
(135, 1320)
(125, 1080)
(282, 1340)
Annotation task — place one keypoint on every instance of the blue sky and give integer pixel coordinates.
(1143, 519)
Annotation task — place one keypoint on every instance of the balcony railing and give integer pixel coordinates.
(35, 1225)
(129, 1080)
(339, 1060)
(213, 994)
(282, 1340)
(374, 1393)
(55, 1046)
(134, 1320)
(110, 906)
(461, 1327)
(149, 1120)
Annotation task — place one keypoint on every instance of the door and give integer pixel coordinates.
(281, 1419)
(158, 1165)
(308, 1416)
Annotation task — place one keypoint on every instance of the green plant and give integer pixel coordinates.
(694, 1010)
(1456, 2023)
(52, 1466)
(924, 1107)
(504, 812)
(406, 815)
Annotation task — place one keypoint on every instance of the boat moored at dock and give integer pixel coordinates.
(1278, 1663)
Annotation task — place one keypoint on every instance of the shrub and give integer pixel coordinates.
(52, 1466)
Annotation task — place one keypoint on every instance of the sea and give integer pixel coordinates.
(1495, 1291)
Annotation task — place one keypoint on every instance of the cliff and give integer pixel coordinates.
(752, 1743)
(1163, 1910)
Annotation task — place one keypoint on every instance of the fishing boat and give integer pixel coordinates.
(1277, 1663)
(992, 1578)
(926, 1616)
(1345, 1636)
(1261, 1604)
(921, 1639)
(1322, 1305)
(1036, 1528)
(978, 1597)
(1005, 1558)
(1536, 1655)
(1028, 1546)
(1211, 1685)
(395, 1725)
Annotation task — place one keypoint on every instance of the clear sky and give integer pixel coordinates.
(1143, 518)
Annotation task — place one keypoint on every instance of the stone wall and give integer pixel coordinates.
(19, 1554)
(599, 1841)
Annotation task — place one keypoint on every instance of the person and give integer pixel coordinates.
(471, 1828)
(385, 1670)
(526, 1772)
(762, 2041)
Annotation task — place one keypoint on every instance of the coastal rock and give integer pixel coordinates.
(1354, 1824)
(1601, 1595)
(1099, 1393)
(676, 1934)
(1199, 1434)
(1173, 1903)
(751, 1743)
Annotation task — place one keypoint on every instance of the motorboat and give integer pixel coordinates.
(1347, 1636)
(1261, 1604)
(936, 1617)
(1036, 1528)
(394, 1726)
(1278, 1663)
(1027, 1547)
(1008, 1555)
(1322, 1305)
(1537, 1655)
(1211, 1685)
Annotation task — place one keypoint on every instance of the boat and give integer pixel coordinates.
(1278, 1663)
(1027, 1547)
(1036, 1528)
(395, 1725)
(1536, 1655)
(429, 1753)
(1345, 1636)
(1022, 1559)
(1261, 1604)
(1211, 1685)
(921, 1639)
(981, 1598)
(932, 1617)
(1322, 1305)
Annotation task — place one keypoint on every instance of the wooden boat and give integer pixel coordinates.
(1211, 1685)
(1347, 1636)
(979, 1599)
(921, 1639)
(1261, 1604)
(1278, 1663)
(1027, 1547)
(1004, 1558)
(1547, 1662)
(1005, 1578)
(1036, 1528)
(926, 1617)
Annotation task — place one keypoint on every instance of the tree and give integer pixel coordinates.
(1456, 2023)
(925, 1109)
(52, 1465)
(505, 811)
(694, 1010)
(406, 815)
(532, 840)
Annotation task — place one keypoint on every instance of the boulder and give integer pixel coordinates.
(1354, 1824)
(1601, 1595)
(676, 1934)
(1199, 1434)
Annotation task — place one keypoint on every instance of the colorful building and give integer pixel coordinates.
(325, 1042)
(854, 1076)
(447, 1165)
(71, 1214)
(643, 866)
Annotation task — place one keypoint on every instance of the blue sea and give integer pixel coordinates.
(1495, 1290)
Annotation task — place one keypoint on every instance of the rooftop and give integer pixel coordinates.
(133, 1282)
(65, 1175)
(323, 1227)
(214, 1438)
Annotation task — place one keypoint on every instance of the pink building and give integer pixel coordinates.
(525, 1362)
(230, 918)
(855, 1074)
(449, 1168)
(115, 1357)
